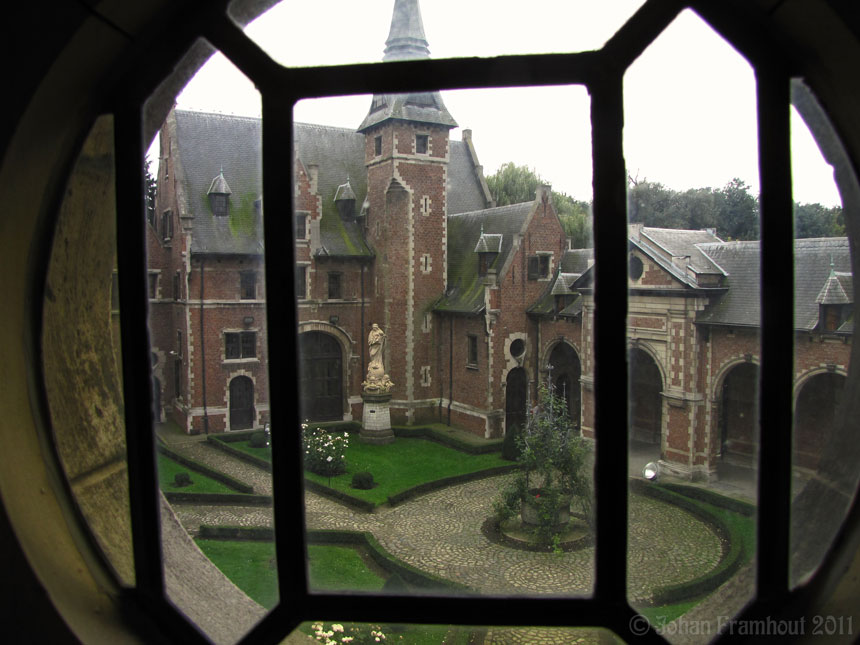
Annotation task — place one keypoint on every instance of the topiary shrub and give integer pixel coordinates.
(182, 479)
(362, 481)
(259, 439)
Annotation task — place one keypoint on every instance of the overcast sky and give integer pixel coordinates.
(689, 100)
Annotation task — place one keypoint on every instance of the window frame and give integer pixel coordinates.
(246, 287)
(236, 342)
(472, 351)
(602, 73)
(334, 278)
(422, 143)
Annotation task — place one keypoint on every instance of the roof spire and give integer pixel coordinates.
(406, 40)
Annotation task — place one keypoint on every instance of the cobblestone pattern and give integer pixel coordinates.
(440, 533)
(219, 460)
(543, 636)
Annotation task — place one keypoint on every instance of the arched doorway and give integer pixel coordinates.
(242, 412)
(321, 372)
(737, 419)
(565, 370)
(646, 402)
(516, 399)
(814, 416)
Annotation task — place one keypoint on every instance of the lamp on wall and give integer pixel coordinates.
(248, 320)
(333, 319)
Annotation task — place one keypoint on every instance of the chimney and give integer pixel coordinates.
(544, 192)
(634, 231)
(313, 177)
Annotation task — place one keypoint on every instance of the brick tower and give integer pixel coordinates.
(406, 154)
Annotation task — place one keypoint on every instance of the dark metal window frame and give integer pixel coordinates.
(237, 342)
(247, 285)
(601, 72)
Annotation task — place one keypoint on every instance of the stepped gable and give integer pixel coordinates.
(741, 306)
(465, 287)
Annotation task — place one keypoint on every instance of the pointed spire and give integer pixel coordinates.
(406, 40)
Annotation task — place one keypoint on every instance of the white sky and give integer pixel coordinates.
(689, 100)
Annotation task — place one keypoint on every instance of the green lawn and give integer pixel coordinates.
(167, 469)
(340, 568)
(249, 564)
(404, 464)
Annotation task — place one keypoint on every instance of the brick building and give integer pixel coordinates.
(395, 226)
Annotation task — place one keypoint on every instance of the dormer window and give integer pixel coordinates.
(485, 261)
(488, 247)
(219, 196)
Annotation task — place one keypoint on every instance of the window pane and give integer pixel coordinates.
(693, 327)
(824, 453)
(211, 392)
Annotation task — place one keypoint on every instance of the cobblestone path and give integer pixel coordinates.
(440, 533)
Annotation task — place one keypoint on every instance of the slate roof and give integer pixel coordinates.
(740, 260)
(209, 142)
(665, 245)
(489, 243)
(206, 144)
(834, 291)
(465, 287)
(577, 260)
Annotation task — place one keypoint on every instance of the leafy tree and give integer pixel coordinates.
(737, 212)
(815, 220)
(513, 184)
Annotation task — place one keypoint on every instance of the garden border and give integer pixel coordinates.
(217, 475)
(432, 434)
(218, 499)
(222, 441)
(733, 557)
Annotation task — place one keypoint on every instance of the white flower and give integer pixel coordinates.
(337, 628)
(328, 458)
(346, 639)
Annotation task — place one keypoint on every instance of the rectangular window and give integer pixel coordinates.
(240, 344)
(179, 343)
(538, 267)
(377, 146)
(334, 286)
(177, 293)
(472, 351)
(167, 225)
(153, 286)
(301, 227)
(301, 282)
(422, 142)
(248, 285)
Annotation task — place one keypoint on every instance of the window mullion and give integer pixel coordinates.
(610, 317)
(287, 467)
(777, 323)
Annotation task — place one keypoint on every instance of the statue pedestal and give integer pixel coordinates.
(375, 419)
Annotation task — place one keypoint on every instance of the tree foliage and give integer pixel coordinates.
(149, 192)
(513, 184)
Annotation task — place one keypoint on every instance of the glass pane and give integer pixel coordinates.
(692, 327)
(209, 366)
(81, 349)
(824, 456)
(423, 383)
(355, 33)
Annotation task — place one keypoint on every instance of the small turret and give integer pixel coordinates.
(344, 199)
(219, 196)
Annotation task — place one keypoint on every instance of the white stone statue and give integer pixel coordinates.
(377, 380)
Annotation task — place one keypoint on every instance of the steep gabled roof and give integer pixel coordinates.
(740, 305)
(465, 287)
(206, 144)
(678, 243)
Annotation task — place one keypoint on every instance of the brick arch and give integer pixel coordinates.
(233, 375)
(805, 376)
(731, 437)
(345, 341)
(647, 415)
(569, 378)
(817, 397)
(726, 367)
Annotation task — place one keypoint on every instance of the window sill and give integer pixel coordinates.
(236, 361)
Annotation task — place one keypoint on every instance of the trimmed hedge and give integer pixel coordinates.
(210, 532)
(731, 560)
(217, 475)
(436, 484)
(340, 496)
(222, 442)
(433, 434)
(712, 498)
(239, 499)
(415, 577)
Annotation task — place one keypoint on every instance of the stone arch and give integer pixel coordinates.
(241, 403)
(646, 383)
(322, 373)
(817, 398)
(564, 367)
(516, 398)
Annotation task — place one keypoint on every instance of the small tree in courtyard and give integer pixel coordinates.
(555, 468)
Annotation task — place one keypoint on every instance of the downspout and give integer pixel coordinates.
(537, 360)
(450, 365)
(203, 352)
(361, 336)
